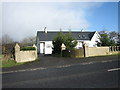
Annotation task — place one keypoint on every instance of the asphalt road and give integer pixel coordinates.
(91, 75)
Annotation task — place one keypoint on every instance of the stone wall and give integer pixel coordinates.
(77, 53)
(25, 56)
(98, 51)
(91, 51)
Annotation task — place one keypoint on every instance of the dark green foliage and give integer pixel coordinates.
(67, 39)
(57, 42)
(70, 42)
(112, 43)
(109, 38)
(105, 40)
(98, 44)
(27, 48)
(118, 43)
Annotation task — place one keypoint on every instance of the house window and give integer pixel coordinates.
(82, 36)
(79, 36)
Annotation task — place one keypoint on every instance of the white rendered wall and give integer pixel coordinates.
(79, 45)
(94, 39)
(48, 47)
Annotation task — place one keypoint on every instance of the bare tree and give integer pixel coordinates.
(0, 41)
(103, 32)
(7, 47)
(6, 39)
(28, 41)
(113, 34)
(0, 45)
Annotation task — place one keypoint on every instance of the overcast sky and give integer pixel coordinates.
(22, 19)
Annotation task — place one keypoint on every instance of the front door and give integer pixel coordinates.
(42, 47)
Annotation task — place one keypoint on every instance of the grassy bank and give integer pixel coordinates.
(9, 63)
(0, 57)
(12, 63)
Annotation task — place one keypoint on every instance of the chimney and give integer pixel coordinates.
(45, 29)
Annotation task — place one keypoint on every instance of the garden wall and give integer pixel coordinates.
(73, 53)
(91, 51)
(25, 56)
(98, 51)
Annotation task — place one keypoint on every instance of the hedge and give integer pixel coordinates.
(27, 48)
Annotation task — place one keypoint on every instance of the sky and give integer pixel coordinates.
(22, 19)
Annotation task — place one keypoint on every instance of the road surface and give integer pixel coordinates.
(87, 75)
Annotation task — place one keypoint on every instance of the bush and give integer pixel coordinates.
(8, 51)
(27, 48)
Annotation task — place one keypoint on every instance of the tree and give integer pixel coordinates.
(70, 42)
(106, 41)
(118, 42)
(0, 41)
(103, 32)
(7, 47)
(28, 41)
(67, 39)
(113, 34)
(57, 42)
(112, 43)
(0, 45)
(6, 39)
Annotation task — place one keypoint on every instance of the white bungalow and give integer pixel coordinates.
(44, 39)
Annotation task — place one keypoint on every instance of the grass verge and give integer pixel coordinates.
(12, 63)
(9, 63)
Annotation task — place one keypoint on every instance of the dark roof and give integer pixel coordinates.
(49, 36)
